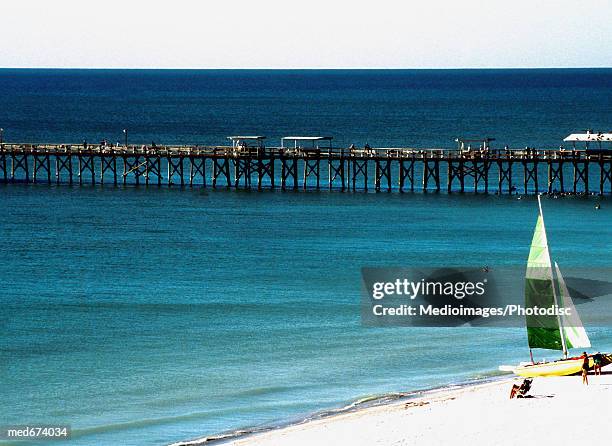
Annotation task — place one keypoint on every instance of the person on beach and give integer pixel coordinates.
(597, 360)
(585, 368)
(521, 391)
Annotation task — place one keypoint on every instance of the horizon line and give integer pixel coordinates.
(307, 68)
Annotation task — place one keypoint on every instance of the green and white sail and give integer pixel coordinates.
(575, 334)
(542, 331)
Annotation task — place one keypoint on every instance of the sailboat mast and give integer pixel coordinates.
(561, 331)
(554, 290)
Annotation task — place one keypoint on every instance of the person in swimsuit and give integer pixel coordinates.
(585, 368)
(597, 360)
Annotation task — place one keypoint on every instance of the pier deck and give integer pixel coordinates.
(389, 169)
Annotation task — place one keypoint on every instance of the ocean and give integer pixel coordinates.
(144, 316)
(385, 108)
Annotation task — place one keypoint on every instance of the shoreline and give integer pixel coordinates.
(468, 413)
(357, 406)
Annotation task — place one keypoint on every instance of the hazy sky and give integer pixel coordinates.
(307, 33)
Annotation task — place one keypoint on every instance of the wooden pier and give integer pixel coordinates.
(525, 171)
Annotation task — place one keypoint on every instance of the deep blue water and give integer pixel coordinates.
(150, 315)
(414, 108)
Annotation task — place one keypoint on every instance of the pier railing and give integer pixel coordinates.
(347, 168)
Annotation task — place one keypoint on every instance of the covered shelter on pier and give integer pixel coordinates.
(592, 142)
(248, 141)
(247, 144)
(307, 143)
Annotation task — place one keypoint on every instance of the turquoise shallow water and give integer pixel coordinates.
(146, 316)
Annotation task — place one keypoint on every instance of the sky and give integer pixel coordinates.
(306, 34)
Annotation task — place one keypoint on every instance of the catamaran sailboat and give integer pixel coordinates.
(545, 287)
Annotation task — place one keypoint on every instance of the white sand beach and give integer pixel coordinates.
(561, 410)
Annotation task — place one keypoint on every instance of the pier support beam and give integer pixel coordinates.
(42, 164)
(505, 174)
(360, 167)
(605, 168)
(63, 162)
(4, 173)
(243, 167)
(312, 166)
(175, 167)
(265, 167)
(431, 171)
(383, 171)
(289, 166)
(336, 170)
(530, 169)
(221, 166)
(86, 163)
(555, 173)
(132, 164)
(456, 171)
(153, 167)
(406, 172)
(197, 166)
(108, 162)
(581, 174)
(480, 172)
(19, 160)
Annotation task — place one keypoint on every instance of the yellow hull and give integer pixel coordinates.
(562, 367)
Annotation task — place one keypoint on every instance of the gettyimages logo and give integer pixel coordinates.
(411, 289)
(478, 297)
